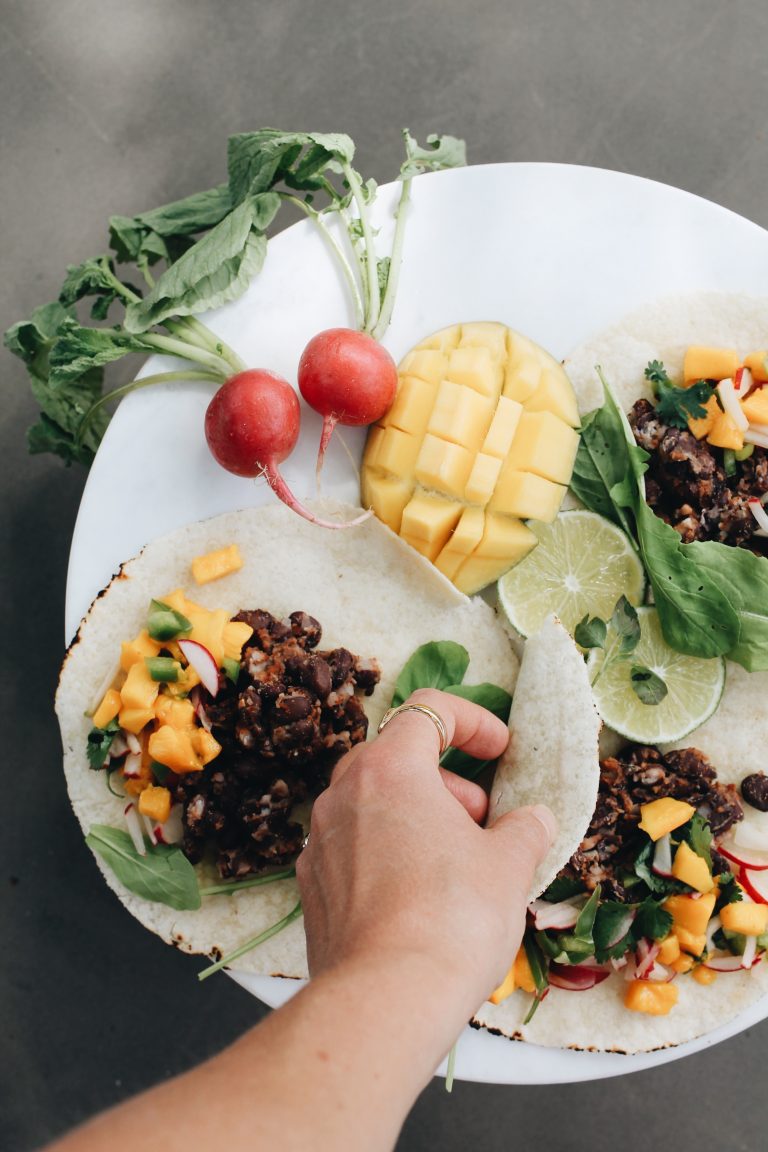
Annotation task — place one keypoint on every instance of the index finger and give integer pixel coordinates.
(468, 726)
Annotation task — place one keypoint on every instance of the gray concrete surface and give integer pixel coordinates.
(112, 107)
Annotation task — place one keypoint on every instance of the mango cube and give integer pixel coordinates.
(505, 989)
(704, 975)
(700, 426)
(134, 719)
(527, 496)
(519, 976)
(236, 633)
(134, 651)
(505, 541)
(692, 869)
(444, 340)
(107, 709)
(654, 998)
(204, 745)
(755, 407)
(428, 364)
(155, 803)
(215, 565)
(693, 915)
(177, 713)
(555, 394)
(482, 479)
(139, 689)
(725, 434)
(460, 415)
(757, 362)
(428, 521)
(476, 368)
(501, 433)
(684, 963)
(173, 748)
(413, 406)
(485, 334)
(388, 496)
(664, 815)
(397, 452)
(443, 467)
(466, 537)
(744, 917)
(704, 363)
(545, 445)
(669, 949)
(689, 941)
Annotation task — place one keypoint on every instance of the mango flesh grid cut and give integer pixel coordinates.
(480, 437)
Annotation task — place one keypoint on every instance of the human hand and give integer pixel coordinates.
(398, 865)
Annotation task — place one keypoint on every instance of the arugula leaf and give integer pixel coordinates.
(695, 611)
(216, 269)
(488, 696)
(676, 406)
(591, 632)
(164, 875)
(99, 744)
(438, 664)
(743, 578)
(647, 685)
(538, 966)
(579, 944)
(652, 920)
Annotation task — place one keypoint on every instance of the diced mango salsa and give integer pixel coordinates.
(519, 976)
(693, 915)
(139, 689)
(704, 975)
(662, 816)
(744, 917)
(689, 941)
(650, 996)
(725, 434)
(701, 426)
(107, 709)
(135, 651)
(485, 419)
(155, 803)
(669, 949)
(704, 363)
(205, 746)
(755, 407)
(757, 362)
(692, 869)
(236, 633)
(684, 963)
(216, 564)
(134, 719)
(177, 713)
(173, 748)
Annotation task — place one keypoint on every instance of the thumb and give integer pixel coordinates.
(525, 835)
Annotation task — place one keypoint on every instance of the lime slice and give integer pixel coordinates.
(581, 565)
(694, 688)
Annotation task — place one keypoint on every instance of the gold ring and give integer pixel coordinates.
(436, 719)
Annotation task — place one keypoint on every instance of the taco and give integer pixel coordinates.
(373, 596)
(623, 874)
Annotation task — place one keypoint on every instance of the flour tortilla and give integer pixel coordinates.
(371, 593)
(552, 755)
(734, 738)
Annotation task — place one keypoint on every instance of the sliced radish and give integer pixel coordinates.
(134, 828)
(758, 438)
(729, 963)
(118, 747)
(646, 955)
(743, 381)
(744, 857)
(619, 962)
(750, 949)
(132, 766)
(731, 406)
(759, 513)
(756, 883)
(150, 830)
(561, 915)
(662, 856)
(661, 974)
(199, 658)
(575, 977)
(172, 832)
(133, 742)
(752, 830)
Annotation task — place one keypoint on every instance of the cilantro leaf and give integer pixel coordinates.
(699, 836)
(99, 744)
(647, 685)
(625, 624)
(730, 892)
(676, 406)
(609, 916)
(663, 885)
(561, 888)
(591, 632)
(652, 920)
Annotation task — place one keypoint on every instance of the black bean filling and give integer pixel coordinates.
(687, 486)
(293, 713)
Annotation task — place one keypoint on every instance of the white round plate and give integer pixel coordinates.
(554, 251)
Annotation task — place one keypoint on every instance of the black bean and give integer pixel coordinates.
(754, 789)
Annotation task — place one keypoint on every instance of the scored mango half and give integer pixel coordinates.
(481, 437)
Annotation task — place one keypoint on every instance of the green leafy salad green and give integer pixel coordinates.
(207, 248)
(712, 598)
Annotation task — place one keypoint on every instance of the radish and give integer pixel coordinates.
(662, 856)
(575, 977)
(134, 828)
(348, 378)
(744, 857)
(729, 963)
(756, 883)
(252, 425)
(559, 916)
(199, 658)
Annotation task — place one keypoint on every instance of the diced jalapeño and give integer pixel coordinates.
(165, 623)
(231, 669)
(163, 668)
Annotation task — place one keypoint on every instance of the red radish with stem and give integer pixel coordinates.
(252, 425)
(348, 378)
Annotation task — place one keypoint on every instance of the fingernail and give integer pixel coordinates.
(547, 819)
